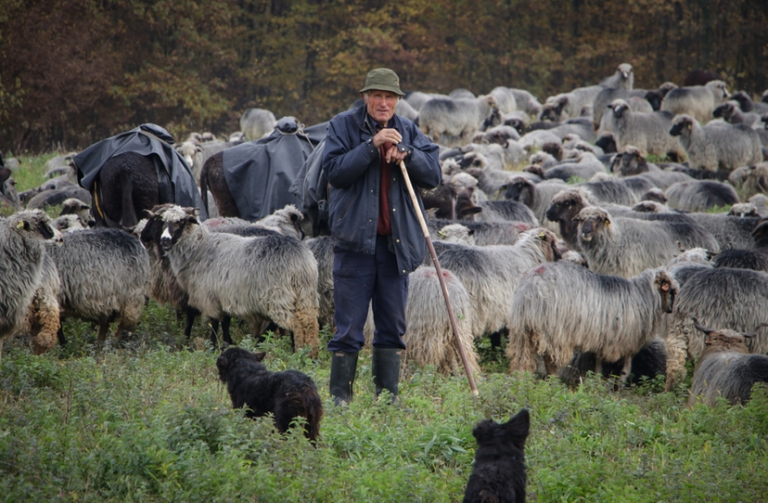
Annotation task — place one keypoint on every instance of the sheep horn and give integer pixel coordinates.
(701, 328)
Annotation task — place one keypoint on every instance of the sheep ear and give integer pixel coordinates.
(260, 356)
(23, 224)
(471, 232)
(748, 336)
(701, 328)
(664, 286)
(440, 234)
(607, 222)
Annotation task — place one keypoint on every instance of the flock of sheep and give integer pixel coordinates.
(591, 257)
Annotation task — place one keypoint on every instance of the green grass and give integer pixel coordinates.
(148, 420)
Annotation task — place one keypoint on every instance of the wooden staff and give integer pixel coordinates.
(440, 278)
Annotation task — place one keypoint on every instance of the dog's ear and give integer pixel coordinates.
(519, 426)
(260, 356)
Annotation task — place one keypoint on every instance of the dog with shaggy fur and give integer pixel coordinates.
(499, 473)
(286, 395)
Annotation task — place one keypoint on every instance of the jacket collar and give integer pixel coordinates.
(367, 124)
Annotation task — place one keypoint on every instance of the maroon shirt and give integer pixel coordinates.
(383, 226)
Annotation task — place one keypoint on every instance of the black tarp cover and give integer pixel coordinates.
(177, 185)
(260, 173)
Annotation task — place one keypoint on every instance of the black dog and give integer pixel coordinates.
(499, 473)
(286, 394)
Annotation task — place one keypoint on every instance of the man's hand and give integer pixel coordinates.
(395, 155)
(387, 135)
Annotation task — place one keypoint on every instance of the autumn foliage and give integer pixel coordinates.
(75, 71)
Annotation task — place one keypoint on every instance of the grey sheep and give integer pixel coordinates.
(716, 297)
(717, 147)
(726, 369)
(569, 105)
(558, 308)
(648, 132)
(484, 233)
(417, 99)
(586, 167)
(404, 109)
(103, 274)
(627, 246)
(743, 210)
(750, 180)
(526, 102)
(163, 286)
(700, 195)
(9, 196)
(729, 231)
(732, 114)
(505, 99)
(256, 279)
(568, 203)
(537, 196)
(491, 273)
(22, 251)
(256, 123)
(69, 223)
(429, 336)
(454, 122)
(696, 101)
(74, 206)
(747, 104)
(711, 148)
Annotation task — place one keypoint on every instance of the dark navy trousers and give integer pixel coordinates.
(360, 278)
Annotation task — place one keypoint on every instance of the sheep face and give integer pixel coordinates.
(520, 190)
(625, 71)
(35, 224)
(553, 149)
(724, 339)
(667, 288)
(176, 221)
(619, 107)
(565, 206)
(473, 160)
(591, 224)
(682, 125)
(718, 88)
(632, 162)
(726, 111)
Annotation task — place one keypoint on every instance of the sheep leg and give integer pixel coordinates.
(549, 363)
(496, 340)
(60, 334)
(625, 370)
(103, 329)
(214, 328)
(225, 322)
(599, 366)
(191, 313)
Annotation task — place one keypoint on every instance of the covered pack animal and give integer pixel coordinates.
(286, 395)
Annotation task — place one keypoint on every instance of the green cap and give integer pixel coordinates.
(382, 79)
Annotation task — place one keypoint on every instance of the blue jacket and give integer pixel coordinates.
(353, 169)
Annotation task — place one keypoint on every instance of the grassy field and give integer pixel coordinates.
(146, 419)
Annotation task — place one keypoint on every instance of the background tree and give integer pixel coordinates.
(73, 72)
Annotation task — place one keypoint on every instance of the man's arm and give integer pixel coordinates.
(342, 163)
(423, 163)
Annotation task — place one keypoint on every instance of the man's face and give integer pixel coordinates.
(381, 105)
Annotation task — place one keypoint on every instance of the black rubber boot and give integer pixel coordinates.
(343, 368)
(386, 371)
